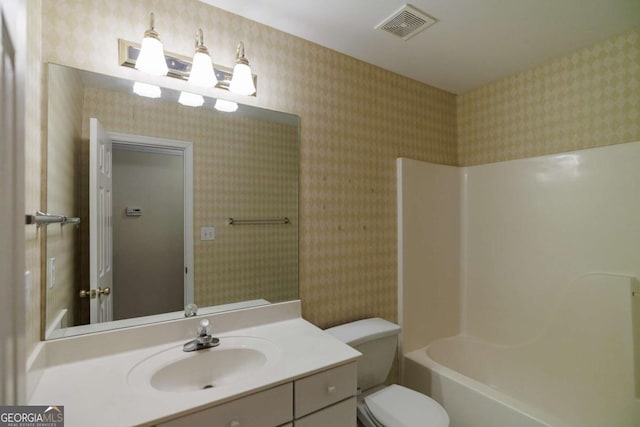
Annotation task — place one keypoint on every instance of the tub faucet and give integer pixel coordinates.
(204, 338)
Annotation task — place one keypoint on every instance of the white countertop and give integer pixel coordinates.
(95, 391)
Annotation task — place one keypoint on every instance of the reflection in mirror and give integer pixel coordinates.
(166, 235)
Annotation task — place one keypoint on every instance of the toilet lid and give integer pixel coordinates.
(397, 406)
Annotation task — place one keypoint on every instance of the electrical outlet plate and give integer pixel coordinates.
(52, 272)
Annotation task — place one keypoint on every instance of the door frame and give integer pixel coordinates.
(14, 281)
(152, 144)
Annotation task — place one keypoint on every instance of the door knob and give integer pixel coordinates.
(94, 293)
(88, 293)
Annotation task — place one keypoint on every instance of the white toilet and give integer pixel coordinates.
(380, 405)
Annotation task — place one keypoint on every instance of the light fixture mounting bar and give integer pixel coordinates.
(179, 65)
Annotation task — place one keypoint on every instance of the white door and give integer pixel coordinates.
(12, 228)
(100, 224)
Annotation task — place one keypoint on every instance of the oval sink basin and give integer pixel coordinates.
(174, 370)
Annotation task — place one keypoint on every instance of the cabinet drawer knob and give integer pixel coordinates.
(234, 423)
(331, 389)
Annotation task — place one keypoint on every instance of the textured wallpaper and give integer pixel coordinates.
(64, 127)
(586, 99)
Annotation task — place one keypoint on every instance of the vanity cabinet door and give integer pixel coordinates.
(269, 408)
(325, 388)
(341, 414)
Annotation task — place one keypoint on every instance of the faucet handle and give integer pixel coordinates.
(190, 310)
(205, 328)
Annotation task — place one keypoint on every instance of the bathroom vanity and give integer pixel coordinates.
(272, 368)
(318, 400)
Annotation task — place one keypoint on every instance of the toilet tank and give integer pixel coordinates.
(377, 340)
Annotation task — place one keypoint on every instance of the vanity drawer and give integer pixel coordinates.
(267, 408)
(341, 414)
(324, 389)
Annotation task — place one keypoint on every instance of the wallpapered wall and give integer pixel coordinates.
(586, 99)
(354, 128)
(352, 131)
(64, 130)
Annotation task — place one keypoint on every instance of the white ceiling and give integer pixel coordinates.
(473, 42)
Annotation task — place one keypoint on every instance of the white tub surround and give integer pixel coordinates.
(89, 374)
(556, 378)
(429, 233)
(541, 253)
(488, 248)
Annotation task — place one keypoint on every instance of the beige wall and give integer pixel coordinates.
(586, 99)
(352, 130)
(64, 129)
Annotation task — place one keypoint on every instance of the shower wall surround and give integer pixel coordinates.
(352, 131)
(536, 225)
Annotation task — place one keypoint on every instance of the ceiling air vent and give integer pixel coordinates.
(406, 22)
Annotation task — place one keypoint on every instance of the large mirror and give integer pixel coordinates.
(176, 205)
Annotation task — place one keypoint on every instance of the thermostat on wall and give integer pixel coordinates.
(134, 212)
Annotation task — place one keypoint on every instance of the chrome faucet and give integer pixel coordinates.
(190, 310)
(204, 339)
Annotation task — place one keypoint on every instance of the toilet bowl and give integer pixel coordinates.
(398, 406)
(380, 405)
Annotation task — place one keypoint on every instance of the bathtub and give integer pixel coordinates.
(582, 370)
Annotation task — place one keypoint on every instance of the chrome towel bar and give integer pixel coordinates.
(284, 220)
(41, 218)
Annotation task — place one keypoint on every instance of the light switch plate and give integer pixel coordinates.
(207, 233)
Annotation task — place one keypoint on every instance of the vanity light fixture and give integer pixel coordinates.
(179, 65)
(202, 68)
(151, 57)
(225, 106)
(242, 80)
(198, 70)
(201, 73)
(147, 90)
(190, 99)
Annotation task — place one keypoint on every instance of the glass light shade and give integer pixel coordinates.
(202, 71)
(242, 80)
(190, 99)
(151, 57)
(225, 106)
(147, 90)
